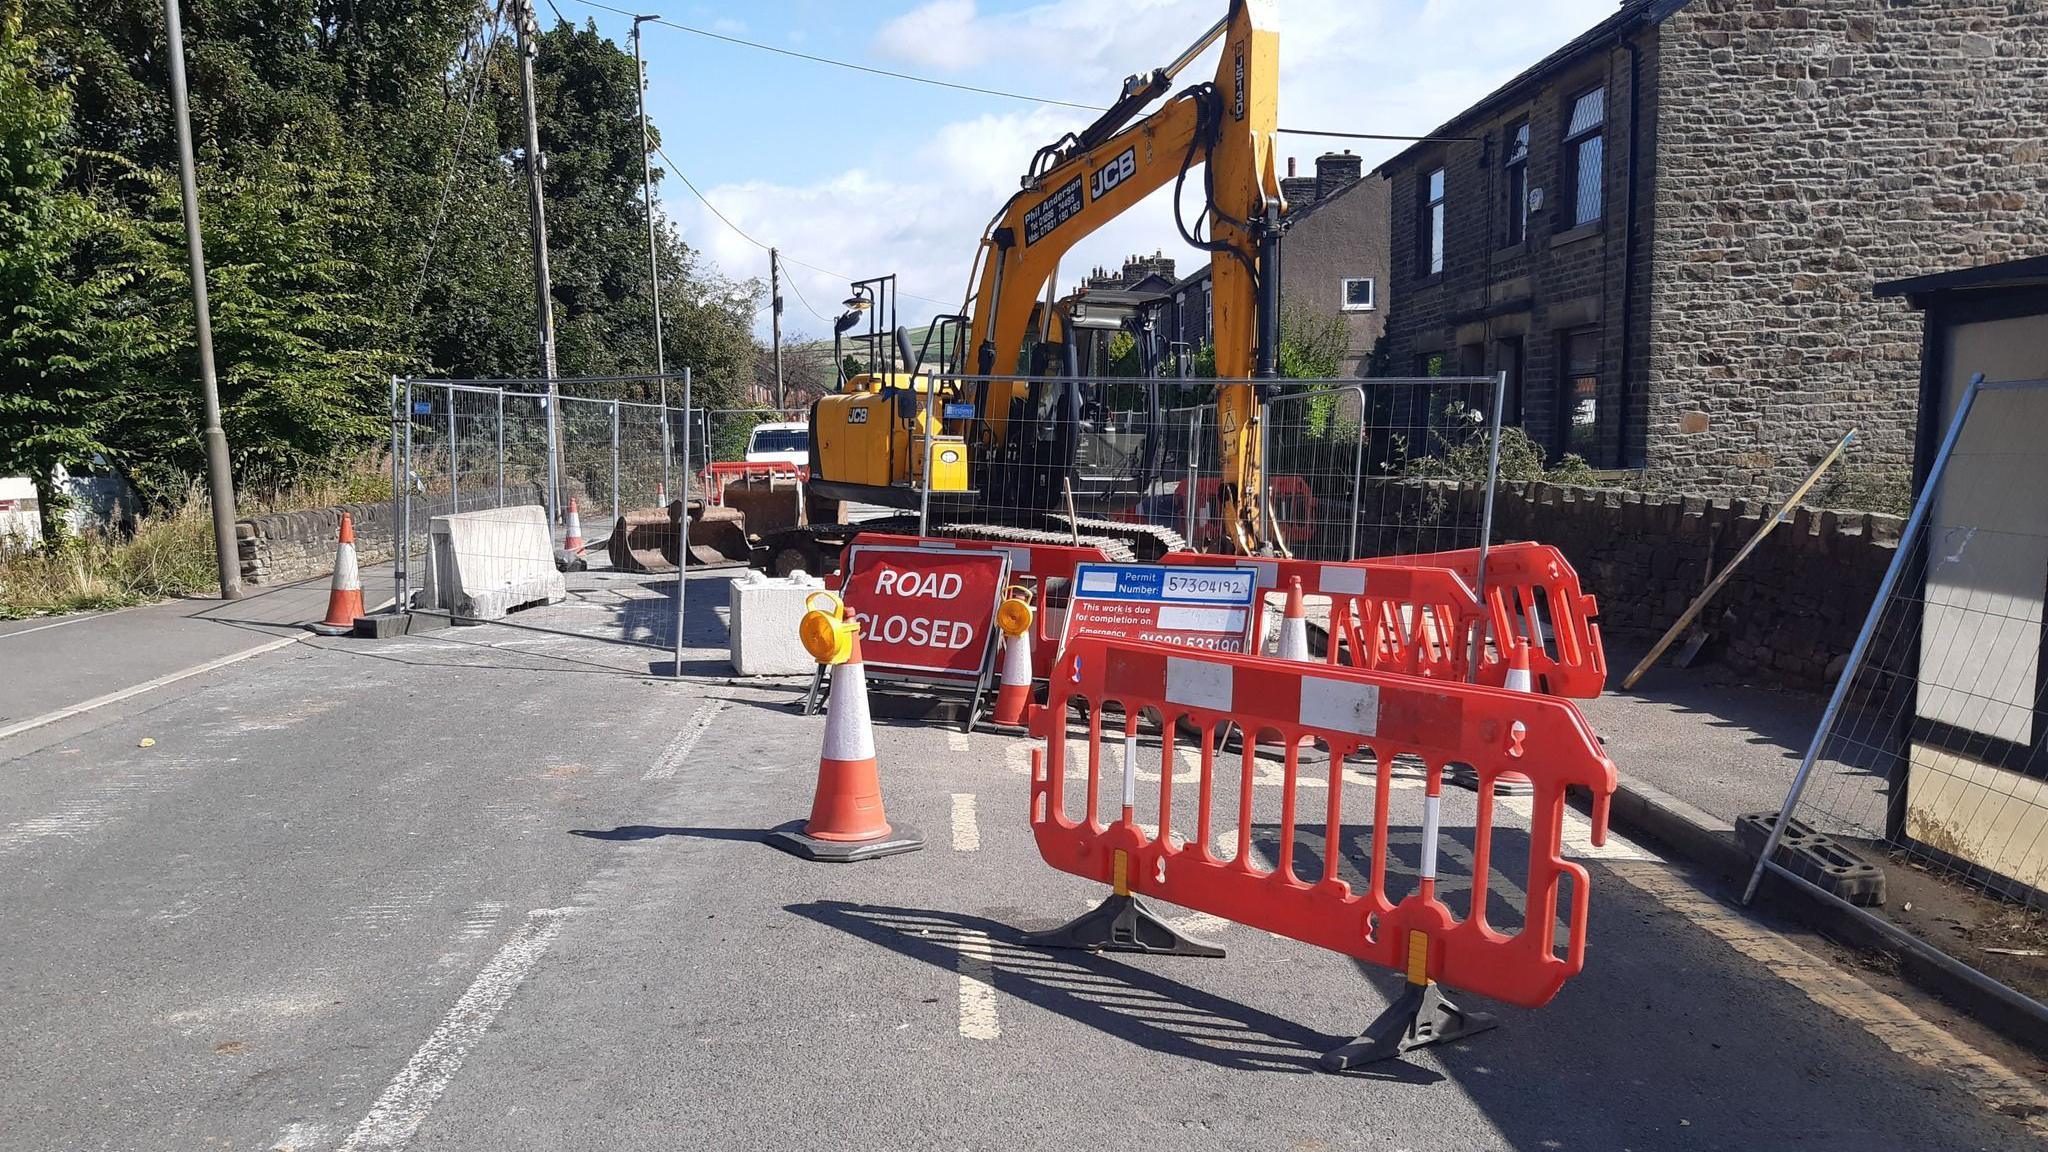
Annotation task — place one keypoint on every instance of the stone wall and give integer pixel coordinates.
(1808, 150)
(1787, 619)
(289, 546)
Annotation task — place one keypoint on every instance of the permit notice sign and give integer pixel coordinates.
(1212, 608)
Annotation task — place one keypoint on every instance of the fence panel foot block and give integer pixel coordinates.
(1421, 1016)
(1123, 924)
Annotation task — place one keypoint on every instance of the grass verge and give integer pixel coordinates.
(169, 555)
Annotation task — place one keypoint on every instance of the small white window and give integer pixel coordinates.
(1358, 294)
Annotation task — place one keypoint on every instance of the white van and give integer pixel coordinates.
(779, 444)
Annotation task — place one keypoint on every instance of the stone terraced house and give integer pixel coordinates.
(1668, 231)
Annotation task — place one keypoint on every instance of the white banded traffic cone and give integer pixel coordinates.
(345, 593)
(1293, 643)
(572, 540)
(847, 821)
(1519, 679)
(1013, 690)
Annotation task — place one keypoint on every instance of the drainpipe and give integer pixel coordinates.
(1628, 252)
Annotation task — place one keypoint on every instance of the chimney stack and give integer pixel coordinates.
(1300, 191)
(1335, 170)
(1136, 268)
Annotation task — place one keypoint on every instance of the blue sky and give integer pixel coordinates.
(863, 175)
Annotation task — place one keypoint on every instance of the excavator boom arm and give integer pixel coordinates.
(1227, 125)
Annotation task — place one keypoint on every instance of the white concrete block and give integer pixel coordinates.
(763, 613)
(485, 564)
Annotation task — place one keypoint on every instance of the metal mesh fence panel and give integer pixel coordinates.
(1351, 467)
(1931, 754)
(490, 476)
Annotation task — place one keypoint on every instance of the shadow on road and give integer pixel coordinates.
(633, 832)
(1128, 1002)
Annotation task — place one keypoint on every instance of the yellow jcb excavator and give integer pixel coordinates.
(1004, 446)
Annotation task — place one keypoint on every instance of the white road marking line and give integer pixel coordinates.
(957, 742)
(679, 749)
(147, 686)
(79, 619)
(301, 1137)
(966, 834)
(1841, 991)
(397, 1114)
(976, 961)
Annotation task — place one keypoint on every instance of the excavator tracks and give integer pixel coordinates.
(1147, 542)
(1117, 551)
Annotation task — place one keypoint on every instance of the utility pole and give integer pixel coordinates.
(647, 191)
(543, 289)
(775, 318)
(220, 480)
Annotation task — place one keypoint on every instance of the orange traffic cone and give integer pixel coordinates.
(1293, 625)
(661, 495)
(847, 822)
(1013, 692)
(573, 540)
(1519, 679)
(345, 594)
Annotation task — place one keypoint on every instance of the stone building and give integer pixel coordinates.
(1333, 262)
(1667, 232)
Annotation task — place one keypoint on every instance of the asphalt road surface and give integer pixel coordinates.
(489, 888)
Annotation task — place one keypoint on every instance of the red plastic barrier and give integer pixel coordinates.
(1533, 594)
(720, 473)
(1032, 565)
(1384, 617)
(1491, 730)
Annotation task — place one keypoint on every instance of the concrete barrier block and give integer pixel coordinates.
(485, 564)
(763, 612)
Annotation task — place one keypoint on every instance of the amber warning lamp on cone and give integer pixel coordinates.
(826, 633)
(1013, 616)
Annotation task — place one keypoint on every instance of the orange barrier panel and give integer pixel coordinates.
(1534, 596)
(1375, 716)
(722, 472)
(1031, 564)
(1383, 617)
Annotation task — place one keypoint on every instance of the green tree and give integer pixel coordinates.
(63, 328)
(302, 347)
(364, 210)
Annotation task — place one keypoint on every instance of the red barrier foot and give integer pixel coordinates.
(1422, 1016)
(1122, 924)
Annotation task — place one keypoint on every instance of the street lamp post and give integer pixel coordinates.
(220, 480)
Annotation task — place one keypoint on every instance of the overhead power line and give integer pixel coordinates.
(914, 78)
(847, 64)
(751, 239)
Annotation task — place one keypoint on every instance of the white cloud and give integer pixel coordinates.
(1395, 66)
(943, 34)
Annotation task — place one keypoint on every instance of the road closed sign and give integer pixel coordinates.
(925, 611)
(1213, 608)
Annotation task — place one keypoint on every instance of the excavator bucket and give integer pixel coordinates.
(769, 504)
(718, 535)
(644, 540)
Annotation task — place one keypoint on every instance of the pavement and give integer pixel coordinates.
(82, 657)
(492, 887)
(1725, 749)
